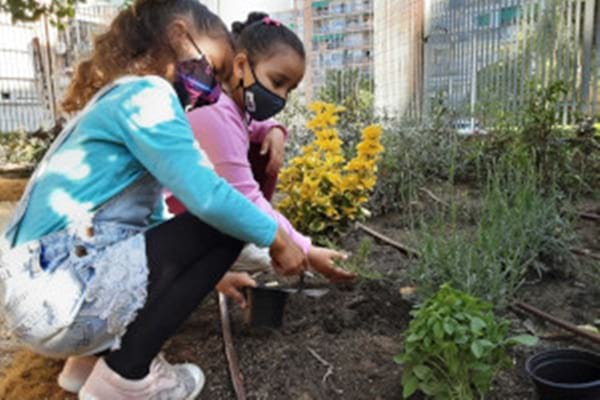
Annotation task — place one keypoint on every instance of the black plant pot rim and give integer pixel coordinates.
(533, 375)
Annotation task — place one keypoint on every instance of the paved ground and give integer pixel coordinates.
(5, 210)
(7, 346)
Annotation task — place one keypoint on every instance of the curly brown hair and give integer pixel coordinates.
(135, 44)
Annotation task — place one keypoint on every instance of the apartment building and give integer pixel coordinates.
(338, 35)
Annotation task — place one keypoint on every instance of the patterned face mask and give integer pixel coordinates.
(196, 84)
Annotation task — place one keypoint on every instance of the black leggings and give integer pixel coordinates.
(186, 259)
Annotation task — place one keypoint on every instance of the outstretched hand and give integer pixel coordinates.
(323, 260)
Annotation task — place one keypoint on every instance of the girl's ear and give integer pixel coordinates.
(239, 62)
(177, 37)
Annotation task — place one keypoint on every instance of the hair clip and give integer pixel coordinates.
(270, 21)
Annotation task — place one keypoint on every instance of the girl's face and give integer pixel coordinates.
(281, 73)
(186, 42)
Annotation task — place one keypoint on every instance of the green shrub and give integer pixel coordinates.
(520, 229)
(358, 262)
(23, 148)
(455, 347)
(563, 156)
(416, 154)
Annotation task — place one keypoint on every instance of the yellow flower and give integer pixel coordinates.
(321, 190)
(372, 132)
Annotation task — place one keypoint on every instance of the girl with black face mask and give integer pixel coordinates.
(89, 270)
(243, 144)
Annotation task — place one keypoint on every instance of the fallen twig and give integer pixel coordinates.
(329, 369)
(585, 253)
(434, 197)
(237, 379)
(558, 322)
(403, 248)
(589, 216)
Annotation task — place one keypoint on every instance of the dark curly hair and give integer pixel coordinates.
(136, 44)
(260, 40)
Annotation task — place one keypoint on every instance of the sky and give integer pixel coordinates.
(237, 10)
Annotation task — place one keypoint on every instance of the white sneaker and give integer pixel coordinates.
(164, 382)
(75, 373)
(252, 259)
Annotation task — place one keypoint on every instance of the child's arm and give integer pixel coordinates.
(272, 137)
(259, 130)
(224, 138)
(154, 128)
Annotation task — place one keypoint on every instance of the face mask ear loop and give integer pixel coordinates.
(195, 45)
(247, 116)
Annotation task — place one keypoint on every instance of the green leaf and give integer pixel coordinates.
(524, 340)
(449, 325)
(399, 359)
(438, 332)
(477, 324)
(422, 372)
(410, 385)
(317, 226)
(477, 349)
(414, 337)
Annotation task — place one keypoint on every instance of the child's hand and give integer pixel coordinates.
(322, 260)
(274, 144)
(231, 285)
(287, 257)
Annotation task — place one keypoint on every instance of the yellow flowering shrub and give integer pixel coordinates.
(322, 191)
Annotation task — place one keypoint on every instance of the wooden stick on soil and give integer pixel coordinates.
(594, 337)
(329, 369)
(237, 379)
(585, 253)
(403, 248)
(434, 197)
(589, 216)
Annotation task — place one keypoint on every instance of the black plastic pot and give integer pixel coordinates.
(565, 374)
(265, 307)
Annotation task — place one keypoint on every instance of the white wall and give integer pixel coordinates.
(236, 10)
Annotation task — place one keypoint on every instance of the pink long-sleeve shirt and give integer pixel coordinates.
(225, 137)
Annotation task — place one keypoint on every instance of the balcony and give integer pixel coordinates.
(344, 28)
(328, 9)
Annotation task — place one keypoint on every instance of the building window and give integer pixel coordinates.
(483, 21)
(509, 15)
(5, 95)
(320, 4)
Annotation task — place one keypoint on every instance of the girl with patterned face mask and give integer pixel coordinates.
(90, 269)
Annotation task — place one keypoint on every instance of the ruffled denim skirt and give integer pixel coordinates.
(74, 292)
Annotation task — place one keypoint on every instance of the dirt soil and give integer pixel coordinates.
(339, 346)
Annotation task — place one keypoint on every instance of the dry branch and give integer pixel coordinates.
(594, 337)
(403, 248)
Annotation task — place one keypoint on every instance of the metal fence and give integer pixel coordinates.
(399, 54)
(499, 51)
(467, 54)
(20, 104)
(37, 65)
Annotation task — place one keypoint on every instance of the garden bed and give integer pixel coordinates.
(341, 345)
(13, 180)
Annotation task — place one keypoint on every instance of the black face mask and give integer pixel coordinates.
(261, 103)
